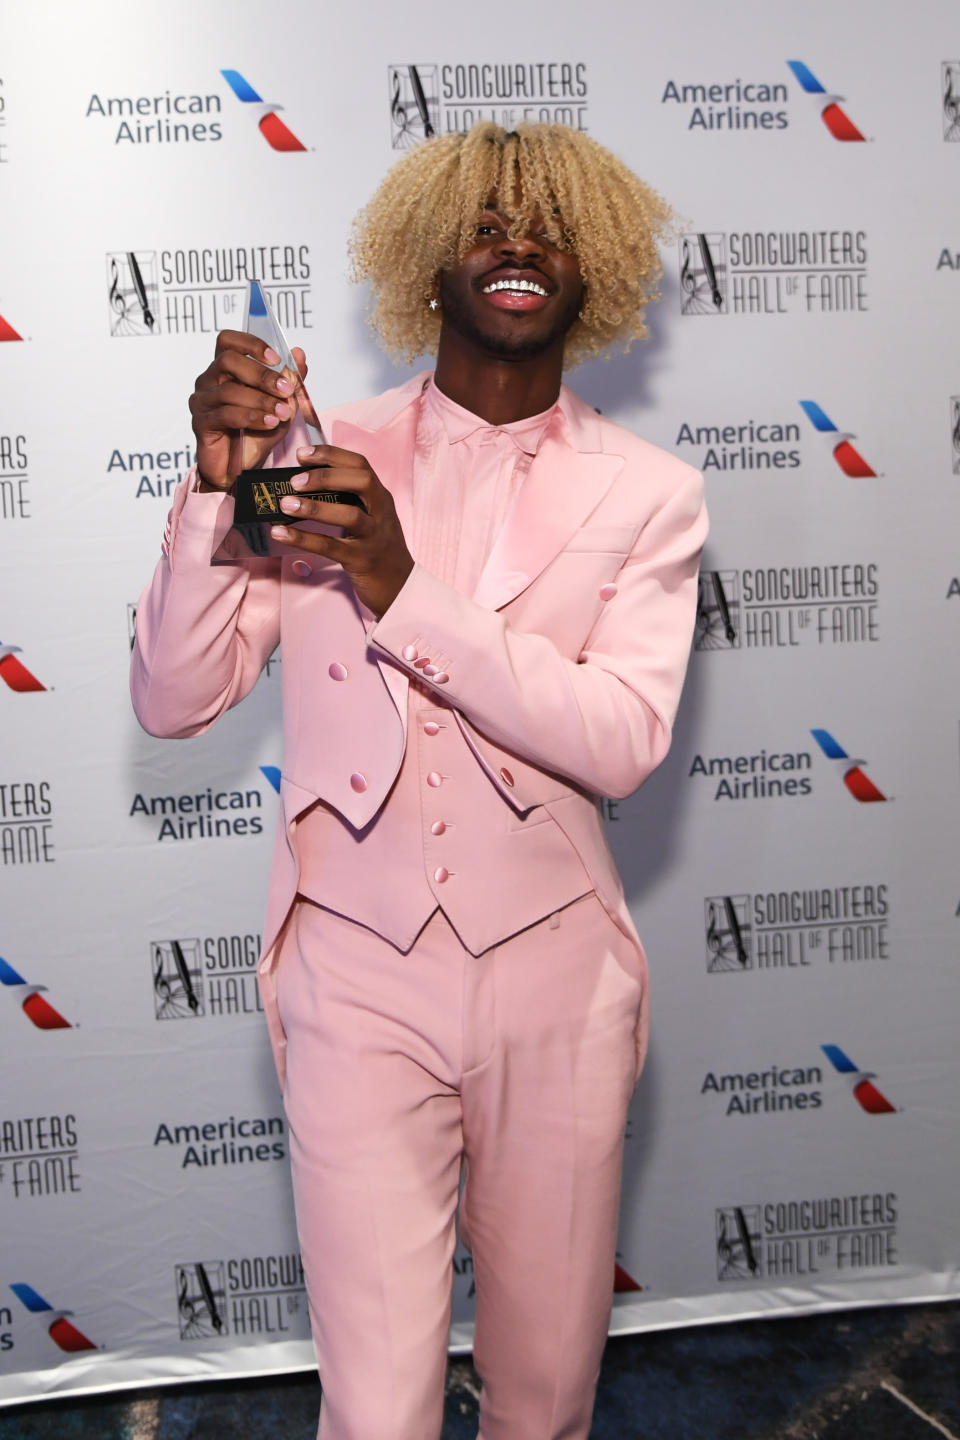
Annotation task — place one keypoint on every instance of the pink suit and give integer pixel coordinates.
(557, 680)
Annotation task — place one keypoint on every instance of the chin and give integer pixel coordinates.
(516, 347)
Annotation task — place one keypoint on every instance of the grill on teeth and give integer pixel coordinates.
(514, 285)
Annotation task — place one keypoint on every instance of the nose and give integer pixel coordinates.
(527, 247)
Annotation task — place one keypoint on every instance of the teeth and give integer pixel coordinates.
(515, 287)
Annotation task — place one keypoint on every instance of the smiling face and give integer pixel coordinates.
(512, 299)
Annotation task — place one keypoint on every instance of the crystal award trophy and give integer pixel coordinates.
(258, 492)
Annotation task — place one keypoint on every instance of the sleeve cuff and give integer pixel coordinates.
(400, 632)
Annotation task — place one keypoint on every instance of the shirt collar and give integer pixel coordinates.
(459, 424)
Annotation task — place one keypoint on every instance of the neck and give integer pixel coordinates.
(499, 390)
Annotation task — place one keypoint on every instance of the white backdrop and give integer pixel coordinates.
(792, 865)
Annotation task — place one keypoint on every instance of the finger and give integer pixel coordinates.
(211, 418)
(246, 344)
(357, 523)
(328, 545)
(243, 368)
(317, 475)
(357, 482)
(301, 360)
(230, 394)
(333, 455)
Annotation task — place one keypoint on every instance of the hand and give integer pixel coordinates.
(372, 549)
(239, 395)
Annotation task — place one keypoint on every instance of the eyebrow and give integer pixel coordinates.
(503, 214)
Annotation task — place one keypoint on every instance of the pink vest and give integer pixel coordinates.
(444, 811)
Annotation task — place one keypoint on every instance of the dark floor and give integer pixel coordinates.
(889, 1374)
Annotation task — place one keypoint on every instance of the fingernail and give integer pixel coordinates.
(283, 410)
(279, 532)
(284, 386)
(302, 482)
(271, 420)
(304, 452)
(290, 503)
(271, 356)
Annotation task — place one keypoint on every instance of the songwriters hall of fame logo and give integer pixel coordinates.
(205, 976)
(414, 104)
(201, 1300)
(728, 933)
(738, 1242)
(718, 611)
(177, 972)
(703, 274)
(950, 98)
(833, 925)
(808, 1236)
(244, 1295)
(773, 272)
(133, 293)
(449, 98)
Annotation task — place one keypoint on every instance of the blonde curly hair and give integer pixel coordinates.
(423, 219)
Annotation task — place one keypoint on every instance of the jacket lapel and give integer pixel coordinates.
(567, 480)
(561, 488)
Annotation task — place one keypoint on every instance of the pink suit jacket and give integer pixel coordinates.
(564, 669)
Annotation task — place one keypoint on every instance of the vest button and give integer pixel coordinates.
(338, 671)
(438, 827)
(409, 652)
(429, 671)
(434, 779)
(440, 679)
(421, 664)
(441, 874)
(506, 777)
(431, 727)
(302, 567)
(358, 782)
(607, 592)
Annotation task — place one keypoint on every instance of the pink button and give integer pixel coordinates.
(438, 827)
(607, 592)
(430, 670)
(434, 778)
(338, 671)
(506, 777)
(440, 874)
(409, 652)
(440, 679)
(430, 727)
(301, 567)
(423, 661)
(358, 782)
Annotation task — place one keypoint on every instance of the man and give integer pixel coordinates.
(452, 980)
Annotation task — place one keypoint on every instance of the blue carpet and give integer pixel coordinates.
(886, 1374)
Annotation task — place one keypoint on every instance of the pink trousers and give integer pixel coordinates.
(517, 1065)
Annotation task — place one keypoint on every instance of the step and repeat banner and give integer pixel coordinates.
(792, 866)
